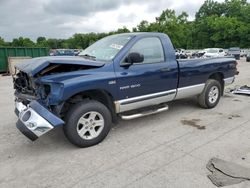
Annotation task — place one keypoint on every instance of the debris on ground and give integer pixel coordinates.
(243, 90)
(237, 100)
(193, 123)
(234, 116)
(226, 173)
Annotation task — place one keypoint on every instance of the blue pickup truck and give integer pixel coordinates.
(126, 75)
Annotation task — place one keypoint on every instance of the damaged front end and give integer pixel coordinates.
(38, 92)
(24, 87)
(34, 118)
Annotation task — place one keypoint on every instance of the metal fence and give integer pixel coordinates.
(6, 52)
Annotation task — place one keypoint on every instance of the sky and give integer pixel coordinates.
(63, 18)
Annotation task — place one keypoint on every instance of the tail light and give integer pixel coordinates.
(236, 63)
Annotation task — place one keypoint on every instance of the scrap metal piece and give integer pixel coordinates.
(220, 179)
(226, 173)
(245, 90)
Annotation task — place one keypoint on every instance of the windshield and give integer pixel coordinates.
(106, 48)
(212, 51)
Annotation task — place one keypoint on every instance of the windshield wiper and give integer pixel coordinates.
(87, 56)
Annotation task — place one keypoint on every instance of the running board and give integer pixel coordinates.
(145, 113)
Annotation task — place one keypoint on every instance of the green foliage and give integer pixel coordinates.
(22, 42)
(142, 27)
(225, 26)
(234, 8)
(2, 43)
(210, 8)
(41, 42)
(216, 24)
(176, 26)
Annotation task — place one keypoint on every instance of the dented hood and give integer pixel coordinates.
(35, 65)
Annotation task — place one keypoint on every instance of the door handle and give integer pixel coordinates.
(165, 69)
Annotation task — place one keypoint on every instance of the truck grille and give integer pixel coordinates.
(23, 83)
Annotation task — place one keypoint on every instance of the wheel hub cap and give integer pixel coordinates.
(213, 94)
(90, 125)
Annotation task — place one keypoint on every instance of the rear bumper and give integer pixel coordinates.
(228, 81)
(35, 120)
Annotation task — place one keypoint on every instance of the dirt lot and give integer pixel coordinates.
(170, 149)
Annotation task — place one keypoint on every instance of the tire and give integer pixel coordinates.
(87, 123)
(211, 94)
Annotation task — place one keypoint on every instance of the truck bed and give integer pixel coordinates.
(197, 71)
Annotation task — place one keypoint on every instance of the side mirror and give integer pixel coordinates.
(133, 57)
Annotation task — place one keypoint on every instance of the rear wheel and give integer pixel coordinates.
(87, 123)
(211, 94)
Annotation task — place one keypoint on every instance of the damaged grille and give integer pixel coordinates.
(23, 84)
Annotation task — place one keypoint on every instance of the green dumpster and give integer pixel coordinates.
(6, 52)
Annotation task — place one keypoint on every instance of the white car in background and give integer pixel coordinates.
(214, 52)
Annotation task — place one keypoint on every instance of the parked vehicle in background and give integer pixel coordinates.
(200, 53)
(234, 51)
(77, 51)
(180, 53)
(62, 52)
(248, 56)
(51, 52)
(214, 52)
(189, 54)
(128, 75)
(243, 53)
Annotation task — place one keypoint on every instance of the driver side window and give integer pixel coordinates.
(150, 48)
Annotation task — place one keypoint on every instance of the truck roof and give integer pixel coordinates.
(143, 34)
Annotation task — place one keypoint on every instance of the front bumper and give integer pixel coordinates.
(35, 120)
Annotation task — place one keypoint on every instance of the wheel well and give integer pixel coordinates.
(220, 78)
(99, 95)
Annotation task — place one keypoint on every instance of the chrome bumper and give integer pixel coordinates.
(229, 81)
(35, 121)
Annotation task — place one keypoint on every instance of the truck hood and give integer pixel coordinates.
(36, 65)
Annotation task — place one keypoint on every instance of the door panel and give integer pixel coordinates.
(141, 84)
(138, 80)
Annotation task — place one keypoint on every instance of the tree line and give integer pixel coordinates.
(223, 25)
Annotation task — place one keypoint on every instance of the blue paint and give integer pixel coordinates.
(133, 81)
(42, 111)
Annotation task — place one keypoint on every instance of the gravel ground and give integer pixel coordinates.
(170, 149)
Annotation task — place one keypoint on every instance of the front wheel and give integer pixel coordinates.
(211, 94)
(87, 123)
